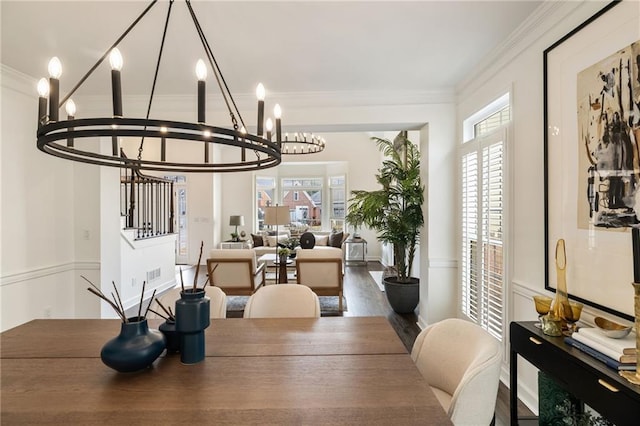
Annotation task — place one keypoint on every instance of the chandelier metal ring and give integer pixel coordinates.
(155, 130)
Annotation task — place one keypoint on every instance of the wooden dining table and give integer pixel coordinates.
(316, 371)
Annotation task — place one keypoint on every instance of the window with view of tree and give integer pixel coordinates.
(315, 202)
(483, 205)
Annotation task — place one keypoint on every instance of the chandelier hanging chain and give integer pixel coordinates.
(222, 83)
(97, 64)
(155, 75)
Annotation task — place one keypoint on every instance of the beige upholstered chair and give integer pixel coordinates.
(236, 271)
(321, 271)
(217, 303)
(462, 364)
(283, 301)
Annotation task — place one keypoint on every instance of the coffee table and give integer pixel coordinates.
(272, 260)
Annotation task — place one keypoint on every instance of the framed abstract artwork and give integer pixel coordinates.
(592, 156)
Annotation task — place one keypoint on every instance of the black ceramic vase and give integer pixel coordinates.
(135, 348)
(168, 328)
(192, 318)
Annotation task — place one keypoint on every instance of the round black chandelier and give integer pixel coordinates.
(301, 143)
(79, 139)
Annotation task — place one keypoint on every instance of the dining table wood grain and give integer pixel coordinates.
(266, 372)
(72, 338)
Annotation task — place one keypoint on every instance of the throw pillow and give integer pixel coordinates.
(335, 239)
(322, 240)
(307, 240)
(271, 240)
(257, 240)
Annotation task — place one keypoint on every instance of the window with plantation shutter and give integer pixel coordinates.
(482, 272)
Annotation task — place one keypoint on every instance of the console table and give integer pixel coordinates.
(586, 378)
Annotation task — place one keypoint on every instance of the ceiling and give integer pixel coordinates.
(292, 47)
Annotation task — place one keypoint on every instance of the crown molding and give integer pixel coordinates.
(542, 20)
(15, 80)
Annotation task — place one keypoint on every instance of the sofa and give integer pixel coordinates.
(264, 243)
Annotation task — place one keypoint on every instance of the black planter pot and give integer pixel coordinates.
(403, 297)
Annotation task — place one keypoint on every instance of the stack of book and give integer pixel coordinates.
(619, 354)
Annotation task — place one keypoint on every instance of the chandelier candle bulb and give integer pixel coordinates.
(43, 92)
(201, 73)
(260, 94)
(277, 113)
(269, 126)
(55, 71)
(115, 59)
(70, 107)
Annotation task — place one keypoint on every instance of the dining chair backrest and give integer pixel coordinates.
(283, 301)
(321, 269)
(461, 362)
(235, 271)
(217, 302)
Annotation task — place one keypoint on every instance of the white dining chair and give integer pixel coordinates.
(461, 362)
(217, 302)
(283, 301)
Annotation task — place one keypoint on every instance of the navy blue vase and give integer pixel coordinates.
(192, 318)
(135, 348)
(168, 328)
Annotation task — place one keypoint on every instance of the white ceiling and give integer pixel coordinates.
(292, 47)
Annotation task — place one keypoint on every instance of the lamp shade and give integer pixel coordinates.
(276, 215)
(236, 220)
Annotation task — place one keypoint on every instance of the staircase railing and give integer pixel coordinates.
(147, 203)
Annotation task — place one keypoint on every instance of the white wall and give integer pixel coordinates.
(38, 256)
(519, 68)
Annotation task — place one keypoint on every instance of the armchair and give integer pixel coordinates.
(237, 272)
(321, 271)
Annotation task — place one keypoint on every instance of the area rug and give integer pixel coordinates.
(328, 304)
(377, 277)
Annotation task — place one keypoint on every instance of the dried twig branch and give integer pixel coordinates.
(150, 302)
(144, 284)
(119, 300)
(195, 277)
(158, 314)
(168, 312)
(102, 296)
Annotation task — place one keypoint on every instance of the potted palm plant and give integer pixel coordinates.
(395, 213)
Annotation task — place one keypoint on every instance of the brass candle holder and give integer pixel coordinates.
(634, 376)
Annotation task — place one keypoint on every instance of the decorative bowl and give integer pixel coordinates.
(612, 329)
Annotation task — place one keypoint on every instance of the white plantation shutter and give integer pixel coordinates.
(470, 222)
(482, 254)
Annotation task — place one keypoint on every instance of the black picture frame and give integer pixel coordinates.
(560, 61)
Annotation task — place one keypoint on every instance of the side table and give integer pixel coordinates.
(355, 250)
(242, 244)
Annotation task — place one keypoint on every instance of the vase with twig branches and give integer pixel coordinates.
(192, 318)
(137, 346)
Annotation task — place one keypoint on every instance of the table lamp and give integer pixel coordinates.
(236, 221)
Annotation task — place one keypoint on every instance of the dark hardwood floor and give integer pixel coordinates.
(364, 298)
